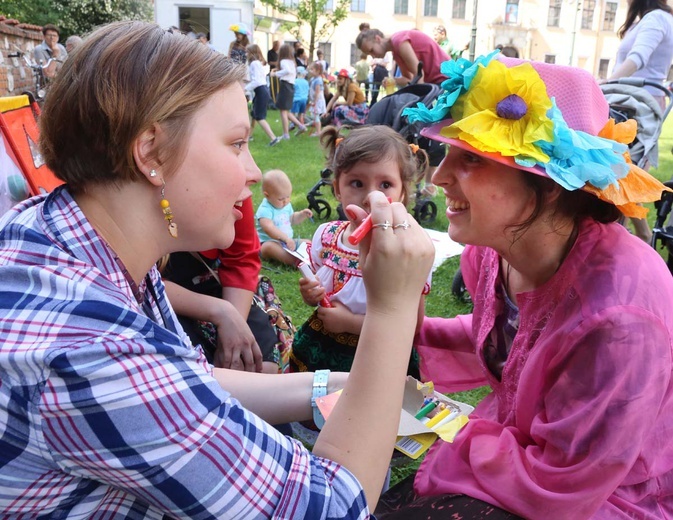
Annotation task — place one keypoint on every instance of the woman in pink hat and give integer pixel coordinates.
(572, 326)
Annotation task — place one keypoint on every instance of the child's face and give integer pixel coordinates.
(278, 196)
(355, 184)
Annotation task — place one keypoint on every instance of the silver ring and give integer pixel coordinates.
(403, 225)
(382, 225)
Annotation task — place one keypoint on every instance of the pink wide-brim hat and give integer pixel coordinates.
(578, 97)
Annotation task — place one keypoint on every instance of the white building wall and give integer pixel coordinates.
(222, 15)
(530, 35)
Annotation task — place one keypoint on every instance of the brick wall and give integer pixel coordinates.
(15, 75)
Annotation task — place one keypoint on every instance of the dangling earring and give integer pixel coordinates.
(168, 214)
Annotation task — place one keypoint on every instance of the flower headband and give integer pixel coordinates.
(506, 112)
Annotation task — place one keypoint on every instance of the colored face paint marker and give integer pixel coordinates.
(307, 273)
(438, 418)
(362, 230)
(426, 410)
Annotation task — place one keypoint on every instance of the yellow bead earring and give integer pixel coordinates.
(168, 214)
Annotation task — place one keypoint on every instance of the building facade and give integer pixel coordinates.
(212, 18)
(582, 33)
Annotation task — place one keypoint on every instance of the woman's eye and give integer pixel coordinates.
(240, 144)
(471, 158)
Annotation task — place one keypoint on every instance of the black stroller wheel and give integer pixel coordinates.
(425, 212)
(322, 209)
(458, 288)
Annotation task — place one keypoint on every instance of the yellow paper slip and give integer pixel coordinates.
(414, 437)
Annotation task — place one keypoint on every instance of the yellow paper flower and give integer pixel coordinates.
(505, 111)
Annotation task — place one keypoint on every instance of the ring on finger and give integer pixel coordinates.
(382, 225)
(403, 225)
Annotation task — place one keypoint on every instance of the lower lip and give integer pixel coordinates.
(454, 213)
(237, 214)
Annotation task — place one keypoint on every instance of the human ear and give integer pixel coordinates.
(145, 151)
(337, 192)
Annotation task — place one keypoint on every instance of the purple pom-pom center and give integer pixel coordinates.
(512, 107)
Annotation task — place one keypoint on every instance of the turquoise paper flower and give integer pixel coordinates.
(460, 74)
(577, 158)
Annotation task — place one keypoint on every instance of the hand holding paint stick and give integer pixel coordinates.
(361, 231)
(308, 273)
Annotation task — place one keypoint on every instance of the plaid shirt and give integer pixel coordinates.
(106, 414)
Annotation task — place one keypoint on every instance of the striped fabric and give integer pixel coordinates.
(104, 413)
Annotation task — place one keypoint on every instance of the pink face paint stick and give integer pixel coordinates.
(308, 273)
(361, 231)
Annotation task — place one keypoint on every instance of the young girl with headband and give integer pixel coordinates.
(370, 158)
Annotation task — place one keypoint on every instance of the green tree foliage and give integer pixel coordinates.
(76, 16)
(314, 14)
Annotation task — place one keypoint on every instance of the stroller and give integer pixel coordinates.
(316, 201)
(629, 100)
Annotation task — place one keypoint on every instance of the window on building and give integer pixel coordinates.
(326, 49)
(290, 3)
(603, 69)
(358, 6)
(355, 54)
(430, 8)
(588, 13)
(458, 12)
(609, 17)
(512, 11)
(401, 6)
(329, 6)
(554, 15)
(550, 58)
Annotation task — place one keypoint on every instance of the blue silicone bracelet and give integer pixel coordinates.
(320, 378)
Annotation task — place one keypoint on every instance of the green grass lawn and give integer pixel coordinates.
(302, 159)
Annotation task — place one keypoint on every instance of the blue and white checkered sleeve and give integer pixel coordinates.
(150, 420)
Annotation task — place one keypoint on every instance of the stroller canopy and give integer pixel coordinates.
(631, 102)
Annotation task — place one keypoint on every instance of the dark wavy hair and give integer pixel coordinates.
(372, 144)
(576, 205)
(638, 9)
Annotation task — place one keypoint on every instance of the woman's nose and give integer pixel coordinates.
(254, 174)
(442, 174)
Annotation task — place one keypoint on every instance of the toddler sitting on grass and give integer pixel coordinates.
(275, 218)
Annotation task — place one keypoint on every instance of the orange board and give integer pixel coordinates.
(18, 123)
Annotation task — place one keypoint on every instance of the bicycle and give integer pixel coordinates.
(39, 91)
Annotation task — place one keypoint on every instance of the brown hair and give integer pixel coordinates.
(51, 27)
(126, 77)
(317, 66)
(638, 9)
(342, 90)
(286, 52)
(255, 53)
(372, 144)
(575, 205)
(368, 35)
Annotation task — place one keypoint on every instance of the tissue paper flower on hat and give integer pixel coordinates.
(505, 112)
